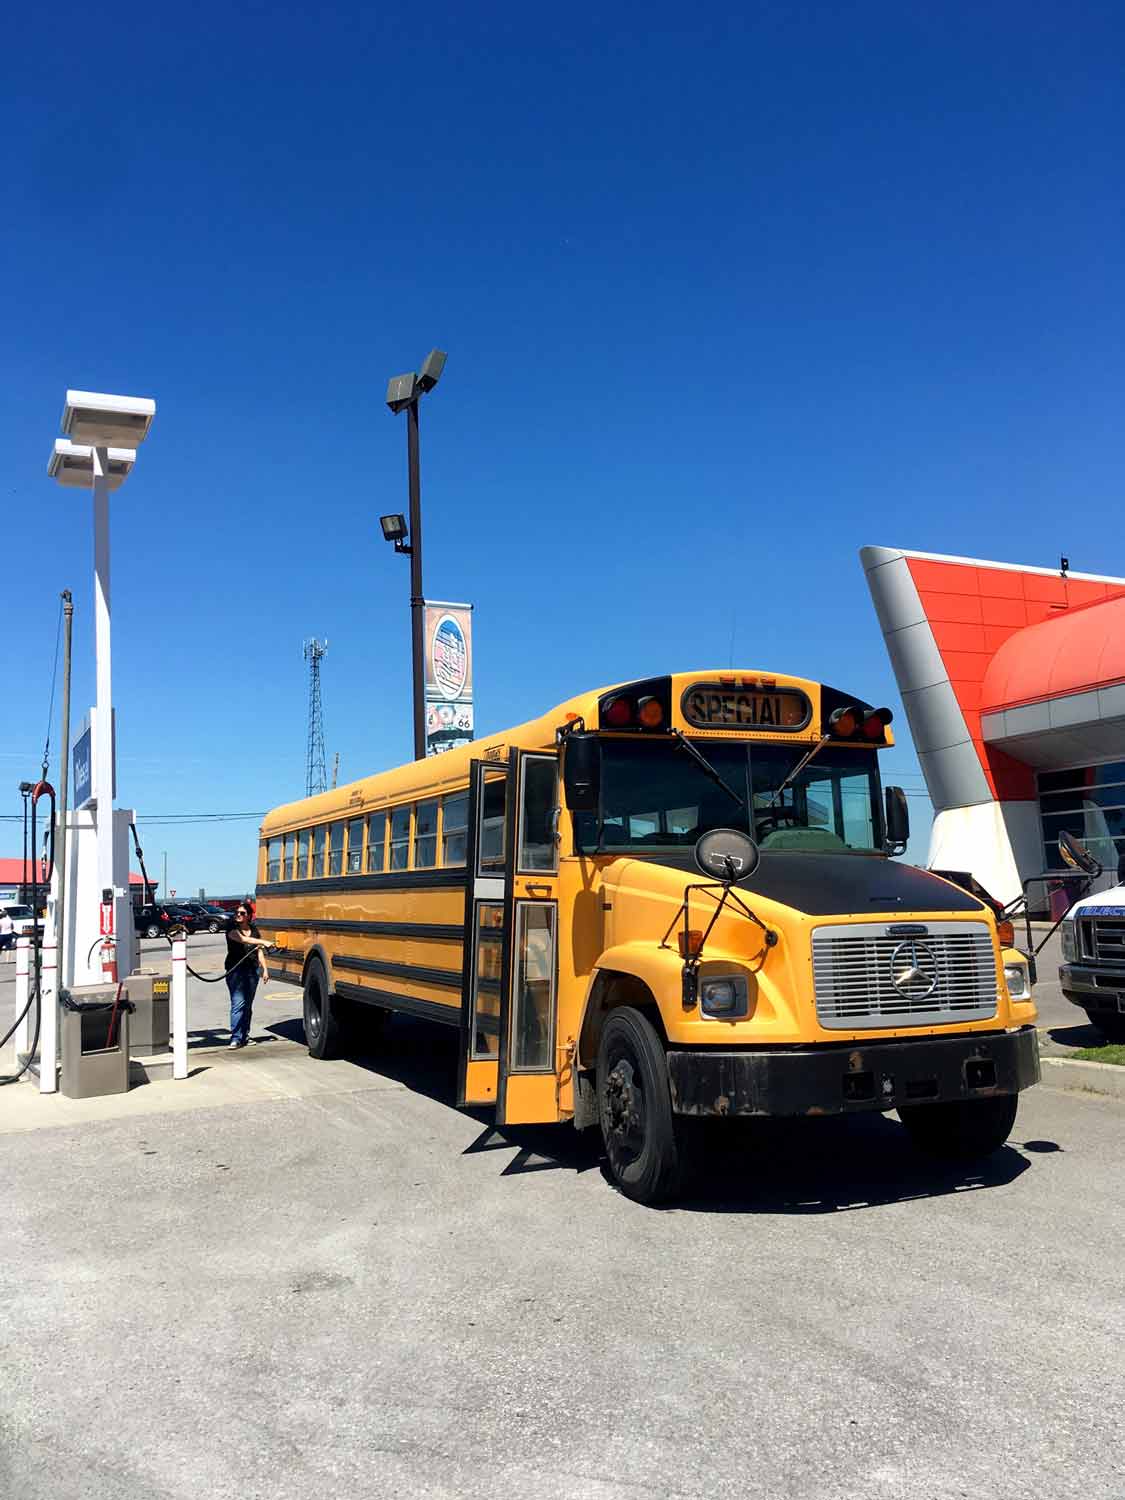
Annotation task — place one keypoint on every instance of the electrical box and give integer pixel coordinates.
(148, 1025)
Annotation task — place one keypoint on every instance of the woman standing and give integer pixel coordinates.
(245, 964)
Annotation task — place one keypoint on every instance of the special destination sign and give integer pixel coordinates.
(720, 705)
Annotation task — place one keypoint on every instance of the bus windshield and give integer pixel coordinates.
(655, 796)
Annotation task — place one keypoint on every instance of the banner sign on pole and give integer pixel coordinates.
(448, 633)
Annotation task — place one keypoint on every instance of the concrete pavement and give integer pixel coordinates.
(355, 1289)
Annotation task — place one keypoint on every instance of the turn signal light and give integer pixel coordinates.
(690, 942)
(1006, 933)
(650, 712)
(843, 722)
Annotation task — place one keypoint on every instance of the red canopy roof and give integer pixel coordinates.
(11, 872)
(1073, 652)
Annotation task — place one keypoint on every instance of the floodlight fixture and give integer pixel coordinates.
(72, 464)
(394, 530)
(401, 391)
(106, 421)
(430, 373)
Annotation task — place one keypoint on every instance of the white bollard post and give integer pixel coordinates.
(49, 1021)
(179, 1008)
(22, 1033)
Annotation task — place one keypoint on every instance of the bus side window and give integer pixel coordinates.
(425, 834)
(376, 840)
(336, 849)
(287, 849)
(400, 838)
(454, 824)
(318, 850)
(355, 846)
(273, 861)
(301, 868)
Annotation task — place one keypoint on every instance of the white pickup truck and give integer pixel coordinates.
(1092, 974)
(23, 918)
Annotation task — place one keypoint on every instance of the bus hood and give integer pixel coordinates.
(823, 885)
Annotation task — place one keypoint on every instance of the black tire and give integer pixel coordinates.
(963, 1129)
(152, 930)
(1111, 1026)
(323, 1034)
(644, 1143)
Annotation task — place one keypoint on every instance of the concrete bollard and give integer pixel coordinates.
(22, 1033)
(178, 1007)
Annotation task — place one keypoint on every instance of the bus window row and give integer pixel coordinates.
(419, 836)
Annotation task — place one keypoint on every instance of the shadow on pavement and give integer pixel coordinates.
(1084, 1035)
(801, 1166)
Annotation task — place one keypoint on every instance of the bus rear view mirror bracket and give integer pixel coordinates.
(582, 771)
(898, 820)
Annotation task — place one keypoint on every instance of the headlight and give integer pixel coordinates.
(1069, 942)
(1015, 977)
(725, 998)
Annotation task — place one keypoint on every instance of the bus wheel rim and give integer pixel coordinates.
(625, 1109)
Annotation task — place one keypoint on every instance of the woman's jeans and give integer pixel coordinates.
(242, 983)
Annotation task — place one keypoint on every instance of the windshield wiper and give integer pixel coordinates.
(705, 765)
(797, 769)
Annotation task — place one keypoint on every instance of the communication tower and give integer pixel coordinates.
(316, 777)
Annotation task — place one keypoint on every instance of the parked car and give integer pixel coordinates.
(159, 919)
(208, 918)
(23, 918)
(152, 921)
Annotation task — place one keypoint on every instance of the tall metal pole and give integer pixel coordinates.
(416, 599)
(66, 976)
(164, 878)
(103, 756)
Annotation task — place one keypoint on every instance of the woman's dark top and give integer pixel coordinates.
(237, 949)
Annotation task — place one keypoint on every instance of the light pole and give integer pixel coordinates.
(403, 394)
(98, 453)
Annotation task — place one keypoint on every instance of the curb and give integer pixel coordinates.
(1086, 1077)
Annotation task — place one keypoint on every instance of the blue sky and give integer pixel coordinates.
(727, 292)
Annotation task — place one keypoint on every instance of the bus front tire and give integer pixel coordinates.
(962, 1129)
(323, 1035)
(645, 1145)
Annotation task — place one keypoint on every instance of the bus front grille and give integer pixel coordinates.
(903, 974)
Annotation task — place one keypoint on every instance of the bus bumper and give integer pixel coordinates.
(842, 1079)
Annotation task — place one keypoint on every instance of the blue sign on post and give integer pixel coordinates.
(83, 768)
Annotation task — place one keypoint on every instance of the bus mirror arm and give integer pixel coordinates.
(693, 944)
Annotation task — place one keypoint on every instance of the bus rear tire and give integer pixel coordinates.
(963, 1129)
(645, 1145)
(323, 1035)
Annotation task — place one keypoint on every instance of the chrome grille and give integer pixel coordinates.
(1103, 939)
(922, 974)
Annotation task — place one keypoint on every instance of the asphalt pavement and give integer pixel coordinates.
(343, 1285)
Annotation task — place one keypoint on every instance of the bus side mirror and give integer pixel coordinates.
(582, 771)
(1076, 855)
(898, 818)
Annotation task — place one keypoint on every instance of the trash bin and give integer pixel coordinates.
(94, 1040)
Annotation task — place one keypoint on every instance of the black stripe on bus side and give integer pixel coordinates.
(285, 976)
(449, 979)
(426, 1010)
(392, 880)
(287, 955)
(452, 932)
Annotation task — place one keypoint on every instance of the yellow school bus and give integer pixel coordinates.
(660, 902)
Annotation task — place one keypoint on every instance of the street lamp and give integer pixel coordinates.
(103, 433)
(403, 394)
